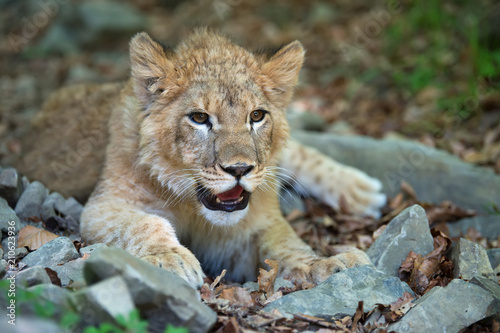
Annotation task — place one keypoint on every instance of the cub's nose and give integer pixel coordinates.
(238, 170)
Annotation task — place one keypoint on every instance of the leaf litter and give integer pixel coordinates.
(329, 232)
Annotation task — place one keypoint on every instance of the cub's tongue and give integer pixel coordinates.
(232, 194)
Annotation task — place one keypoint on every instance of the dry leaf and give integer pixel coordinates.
(446, 212)
(277, 295)
(358, 315)
(408, 190)
(403, 304)
(33, 238)
(231, 326)
(266, 278)
(237, 296)
(217, 279)
(424, 273)
(53, 276)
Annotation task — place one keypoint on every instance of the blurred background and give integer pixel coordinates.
(427, 71)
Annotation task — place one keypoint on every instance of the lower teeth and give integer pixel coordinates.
(240, 199)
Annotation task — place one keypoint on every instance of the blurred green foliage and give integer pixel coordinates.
(445, 44)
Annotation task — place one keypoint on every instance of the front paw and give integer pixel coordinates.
(181, 262)
(362, 193)
(317, 270)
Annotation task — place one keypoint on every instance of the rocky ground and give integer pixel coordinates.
(432, 269)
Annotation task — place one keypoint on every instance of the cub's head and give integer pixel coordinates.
(212, 120)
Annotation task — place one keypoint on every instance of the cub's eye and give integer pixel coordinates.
(199, 117)
(257, 115)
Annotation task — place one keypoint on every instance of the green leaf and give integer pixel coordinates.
(173, 329)
(69, 319)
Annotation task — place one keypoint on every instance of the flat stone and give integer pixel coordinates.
(32, 276)
(31, 324)
(433, 173)
(91, 248)
(3, 268)
(488, 285)
(161, 296)
(48, 210)
(452, 308)
(339, 295)
(409, 231)
(104, 301)
(20, 253)
(71, 271)
(52, 293)
(71, 208)
(56, 252)
(306, 121)
(470, 260)
(494, 256)
(10, 186)
(488, 226)
(31, 201)
(7, 216)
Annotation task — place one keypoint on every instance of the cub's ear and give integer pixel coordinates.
(152, 70)
(281, 71)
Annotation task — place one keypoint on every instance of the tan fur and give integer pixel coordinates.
(156, 157)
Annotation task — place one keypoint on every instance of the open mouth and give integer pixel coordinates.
(229, 201)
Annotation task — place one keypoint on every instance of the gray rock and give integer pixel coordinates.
(25, 182)
(31, 323)
(488, 285)
(32, 276)
(103, 301)
(91, 248)
(451, 308)
(110, 17)
(20, 253)
(488, 226)
(98, 22)
(1, 252)
(494, 256)
(7, 215)
(3, 268)
(48, 207)
(306, 121)
(52, 293)
(57, 211)
(470, 260)
(432, 173)
(5, 242)
(57, 251)
(71, 271)
(339, 295)
(161, 296)
(31, 201)
(71, 208)
(10, 185)
(409, 231)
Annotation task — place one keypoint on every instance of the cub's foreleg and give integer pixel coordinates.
(322, 177)
(116, 221)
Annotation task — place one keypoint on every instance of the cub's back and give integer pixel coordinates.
(66, 144)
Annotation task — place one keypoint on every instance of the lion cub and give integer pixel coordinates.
(197, 139)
